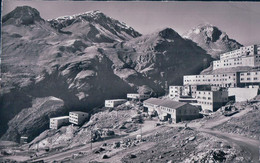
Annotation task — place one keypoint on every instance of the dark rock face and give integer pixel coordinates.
(162, 56)
(83, 60)
(212, 39)
(32, 121)
(23, 15)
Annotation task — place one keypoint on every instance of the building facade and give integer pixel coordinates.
(243, 51)
(220, 80)
(212, 100)
(179, 91)
(245, 56)
(250, 77)
(57, 122)
(136, 96)
(251, 61)
(114, 103)
(78, 117)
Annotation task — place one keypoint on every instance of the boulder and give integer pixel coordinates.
(105, 156)
(192, 138)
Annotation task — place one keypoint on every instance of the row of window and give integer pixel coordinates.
(242, 79)
(248, 73)
(207, 103)
(205, 98)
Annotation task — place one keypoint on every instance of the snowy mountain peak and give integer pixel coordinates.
(97, 25)
(212, 39)
(93, 13)
(24, 15)
(211, 32)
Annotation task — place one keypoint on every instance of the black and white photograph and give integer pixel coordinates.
(130, 81)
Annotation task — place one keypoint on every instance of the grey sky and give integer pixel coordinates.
(240, 20)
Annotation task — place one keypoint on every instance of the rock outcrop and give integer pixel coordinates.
(212, 39)
(32, 121)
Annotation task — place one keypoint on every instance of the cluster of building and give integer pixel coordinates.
(198, 92)
(75, 117)
(245, 56)
(130, 96)
(213, 90)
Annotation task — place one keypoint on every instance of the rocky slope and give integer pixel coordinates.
(212, 39)
(161, 56)
(83, 60)
(33, 120)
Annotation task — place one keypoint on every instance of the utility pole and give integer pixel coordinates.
(91, 139)
(166, 88)
(118, 121)
(141, 133)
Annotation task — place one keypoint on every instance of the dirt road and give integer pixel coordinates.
(246, 144)
(147, 128)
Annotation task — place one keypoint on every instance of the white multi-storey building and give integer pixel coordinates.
(77, 117)
(250, 77)
(136, 96)
(245, 56)
(221, 80)
(243, 51)
(114, 103)
(178, 91)
(251, 61)
(57, 122)
(211, 100)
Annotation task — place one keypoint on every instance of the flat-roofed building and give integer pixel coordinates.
(211, 100)
(168, 109)
(243, 94)
(245, 56)
(137, 96)
(220, 80)
(24, 140)
(252, 77)
(243, 51)
(251, 61)
(179, 91)
(78, 117)
(57, 122)
(114, 102)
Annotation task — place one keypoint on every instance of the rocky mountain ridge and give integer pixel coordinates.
(212, 39)
(83, 60)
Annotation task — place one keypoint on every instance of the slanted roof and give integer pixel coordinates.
(165, 103)
(63, 117)
(154, 101)
(79, 112)
(172, 104)
(117, 100)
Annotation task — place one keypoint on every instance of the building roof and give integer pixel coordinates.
(117, 100)
(155, 101)
(78, 112)
(165, 103)
(63, 117)
(173, 104)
